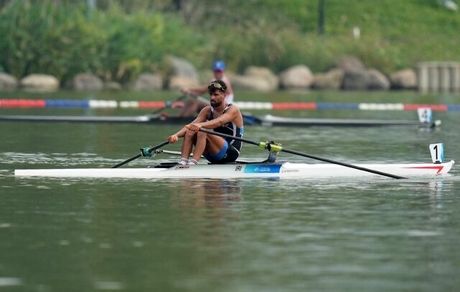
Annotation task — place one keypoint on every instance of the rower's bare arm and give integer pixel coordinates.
(200, 118)
(195, 91)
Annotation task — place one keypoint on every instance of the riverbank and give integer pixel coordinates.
(350, 74)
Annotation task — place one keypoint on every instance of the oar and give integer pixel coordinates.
(139, 155)
(278, 148)
(168, 104)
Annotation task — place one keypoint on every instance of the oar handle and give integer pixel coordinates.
(229, 136)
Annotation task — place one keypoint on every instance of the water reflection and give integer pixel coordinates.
(206, 193)
(208, 208)
(436, 194)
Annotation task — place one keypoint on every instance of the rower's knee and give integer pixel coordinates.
(189, 134)
(201, 135)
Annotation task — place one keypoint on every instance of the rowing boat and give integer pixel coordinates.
(270, 120)
(266, 169)
(266, 120)
(282, 170)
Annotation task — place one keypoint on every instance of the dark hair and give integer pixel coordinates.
(217, 85)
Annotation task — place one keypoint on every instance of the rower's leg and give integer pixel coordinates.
(214, 144)
(187, 144)
(207, 143)
(200, 145)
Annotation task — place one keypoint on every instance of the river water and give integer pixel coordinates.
(227, 235)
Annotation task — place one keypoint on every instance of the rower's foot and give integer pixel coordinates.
(192, 162)
(183, 161)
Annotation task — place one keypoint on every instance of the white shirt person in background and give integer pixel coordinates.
(218, 69)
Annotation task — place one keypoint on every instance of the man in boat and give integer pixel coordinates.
(221, 116)
(194, 102)
(191, 106)
(218, 70)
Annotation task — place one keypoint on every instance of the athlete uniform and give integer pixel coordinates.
(231, 149)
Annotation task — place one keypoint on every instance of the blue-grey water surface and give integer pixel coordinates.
(227, 235)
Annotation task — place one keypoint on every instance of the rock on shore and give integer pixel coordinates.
(40, 82)
(348, 74)
(7, 82)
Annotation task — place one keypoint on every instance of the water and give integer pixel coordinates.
(226, 235)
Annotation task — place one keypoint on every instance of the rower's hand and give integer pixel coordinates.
(173, 139)
(146, 152)
(177, 104)
(185, 91)
(194, 127)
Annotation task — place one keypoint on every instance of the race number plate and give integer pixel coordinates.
(425, 115)
(437, 152)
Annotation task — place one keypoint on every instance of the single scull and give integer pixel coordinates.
(245, 170)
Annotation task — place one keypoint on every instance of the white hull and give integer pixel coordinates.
(257, 170)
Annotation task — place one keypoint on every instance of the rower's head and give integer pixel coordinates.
(217, 90)
(218, 67)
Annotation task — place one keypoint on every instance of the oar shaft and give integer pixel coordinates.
(305, 155)
(229, 136)
(127, 161)
(342, 163)
(139, 155)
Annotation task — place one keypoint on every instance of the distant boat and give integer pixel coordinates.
(266, 120)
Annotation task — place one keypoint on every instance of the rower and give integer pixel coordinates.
(218, 70)
(223, 118)
(192, 106)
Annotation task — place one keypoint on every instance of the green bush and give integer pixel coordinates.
(122, 38)
(45, 38)
(62, 40)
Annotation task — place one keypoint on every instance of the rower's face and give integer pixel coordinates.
(218, 74)
(217, 97)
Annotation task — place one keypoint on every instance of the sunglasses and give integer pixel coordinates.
(216, 86)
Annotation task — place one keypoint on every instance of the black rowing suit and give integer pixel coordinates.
(231, 149)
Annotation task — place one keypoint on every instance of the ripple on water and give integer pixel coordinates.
(108, 285)
(10, 281)
(57, 159)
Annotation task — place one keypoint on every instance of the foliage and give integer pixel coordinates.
(48, 39)
(62, 40)
(394, 34)
(122, 38)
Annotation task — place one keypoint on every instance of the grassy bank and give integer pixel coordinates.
(119, 40)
